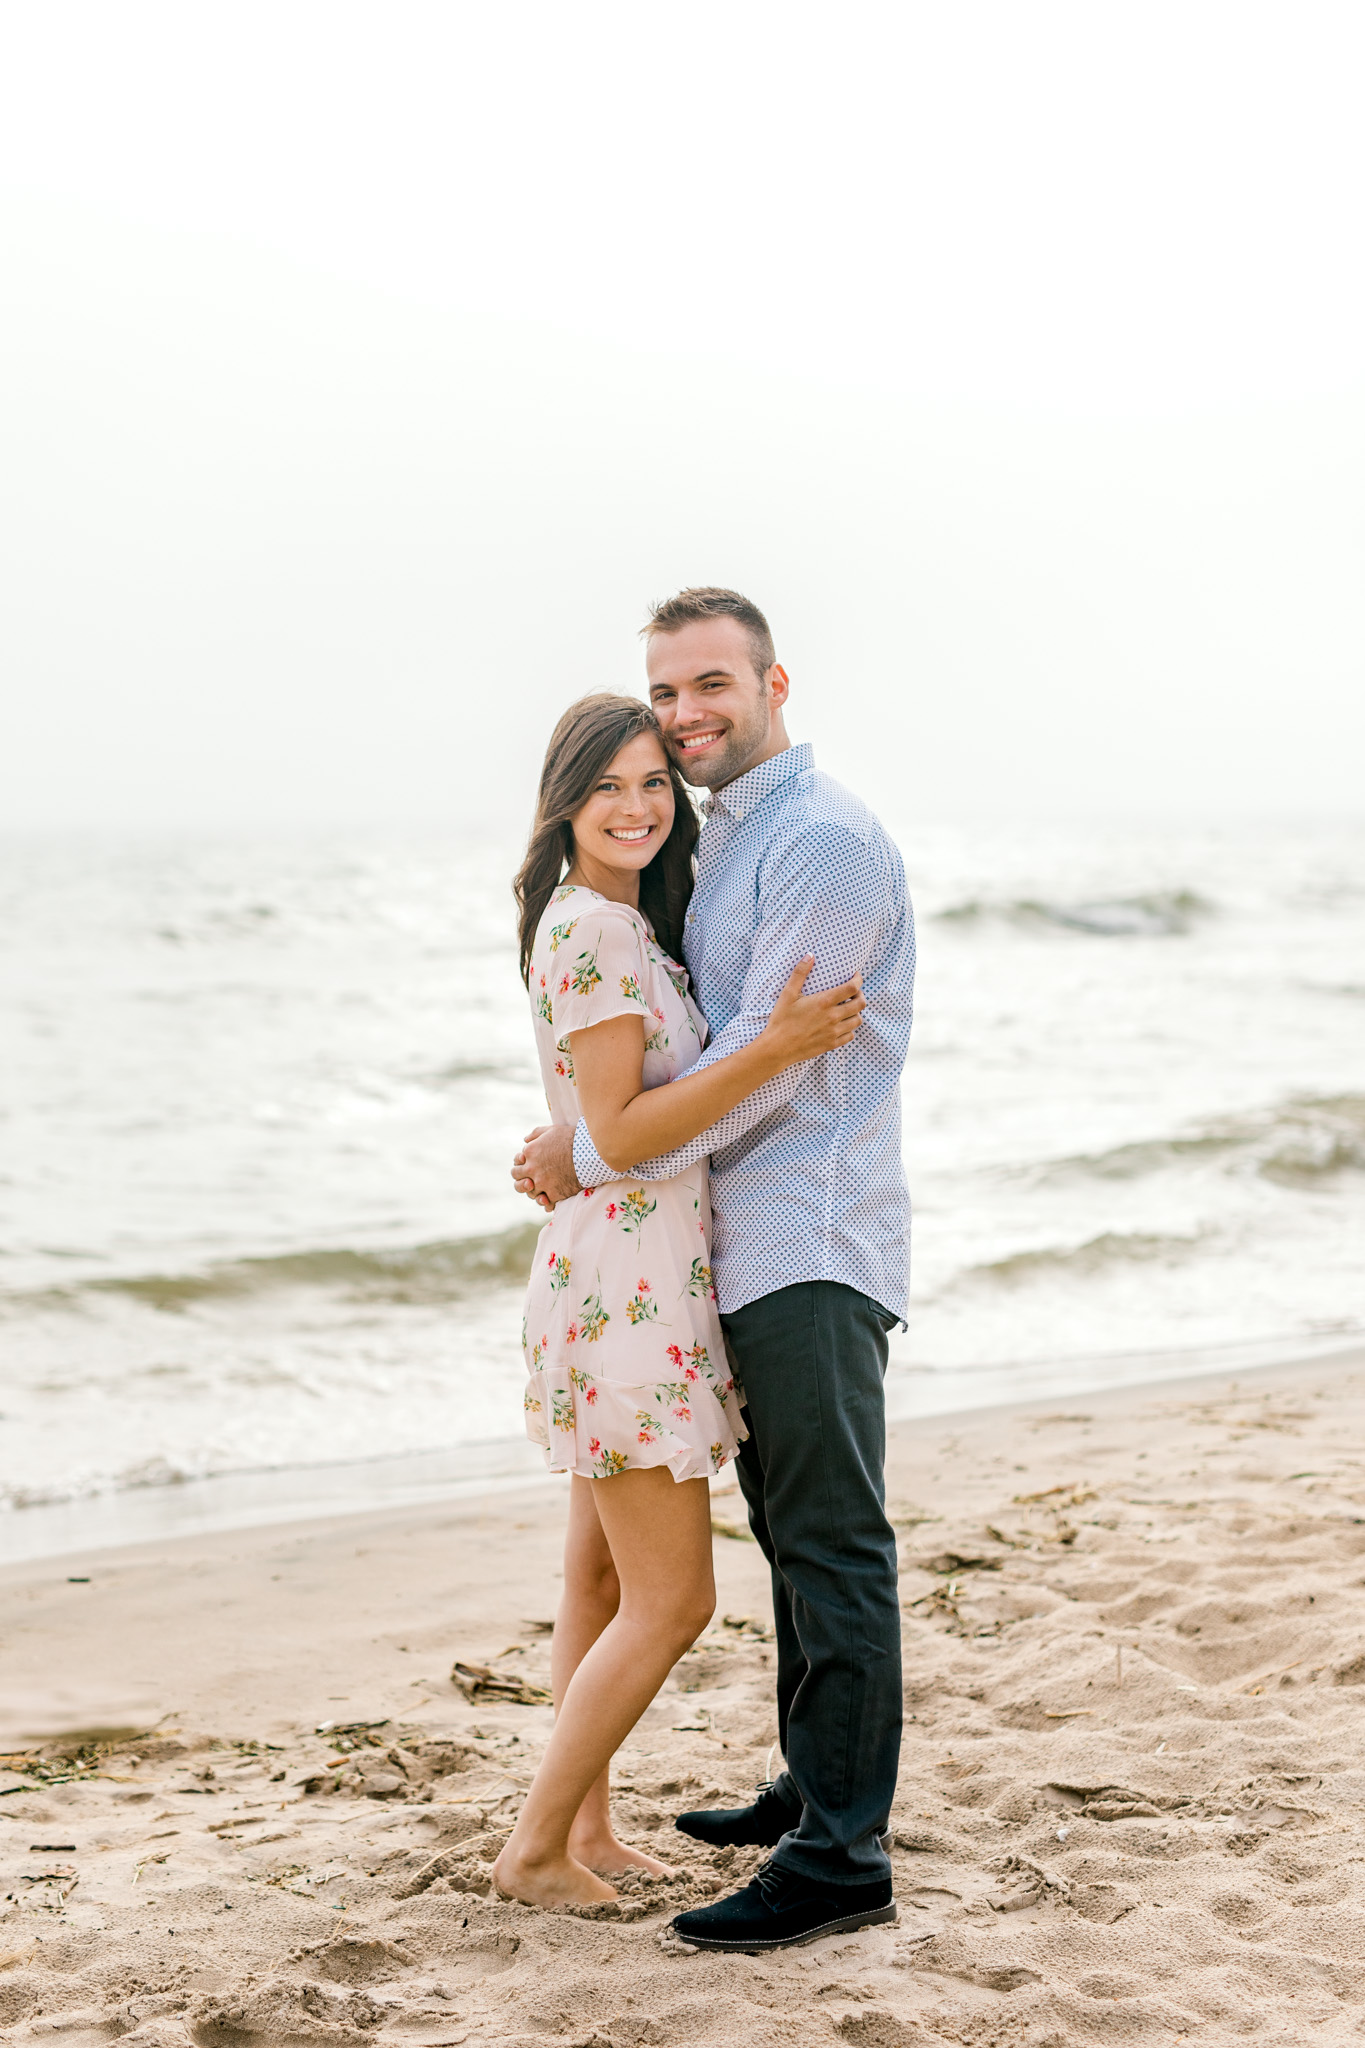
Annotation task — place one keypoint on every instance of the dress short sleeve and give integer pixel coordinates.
(601, 965)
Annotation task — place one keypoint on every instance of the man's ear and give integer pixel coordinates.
(778, 684)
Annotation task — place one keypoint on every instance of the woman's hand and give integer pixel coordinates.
(801, 1027)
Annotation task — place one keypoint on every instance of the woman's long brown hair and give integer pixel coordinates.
(582, 747)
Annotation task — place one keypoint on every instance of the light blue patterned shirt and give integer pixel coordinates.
(806, 1175)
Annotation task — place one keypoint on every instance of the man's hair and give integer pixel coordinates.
(707, 603)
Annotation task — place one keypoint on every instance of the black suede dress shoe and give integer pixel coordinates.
(760, 1826)
(780, 1910)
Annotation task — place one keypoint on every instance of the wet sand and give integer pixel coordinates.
(1132, 1797)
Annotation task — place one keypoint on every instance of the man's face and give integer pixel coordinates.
(716, 711)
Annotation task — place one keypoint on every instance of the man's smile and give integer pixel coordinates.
(693, 742)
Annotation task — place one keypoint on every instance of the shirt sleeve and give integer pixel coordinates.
(593, 1171)
(829, 893)
(597, 973)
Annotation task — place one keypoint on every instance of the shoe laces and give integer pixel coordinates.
(771, 1883)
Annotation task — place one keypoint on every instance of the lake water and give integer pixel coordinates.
(258, 1100)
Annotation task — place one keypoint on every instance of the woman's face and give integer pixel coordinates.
(630, 813)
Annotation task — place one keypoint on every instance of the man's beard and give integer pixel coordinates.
(724, 763)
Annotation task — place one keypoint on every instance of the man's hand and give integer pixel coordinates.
(543, 1168)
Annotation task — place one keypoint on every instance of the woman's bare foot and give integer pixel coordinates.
(610, 1858)
(562, 1882)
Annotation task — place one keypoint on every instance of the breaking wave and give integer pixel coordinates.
(1299, 1143)
(1163, 913)
(1111, 1248)
(147, 1473)
(450, 1269)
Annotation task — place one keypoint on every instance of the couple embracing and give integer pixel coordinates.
(721, 1018)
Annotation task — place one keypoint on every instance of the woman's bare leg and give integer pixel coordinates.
(658, 1534)
(592, 1595)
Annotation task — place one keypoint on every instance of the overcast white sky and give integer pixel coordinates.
(366, 369)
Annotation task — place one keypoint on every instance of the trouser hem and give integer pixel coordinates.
(835, 1880)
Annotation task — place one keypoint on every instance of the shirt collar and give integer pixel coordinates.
(746, 792)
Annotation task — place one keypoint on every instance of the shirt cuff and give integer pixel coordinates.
(592, 1170)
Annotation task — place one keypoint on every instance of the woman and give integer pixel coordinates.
(627, 1384)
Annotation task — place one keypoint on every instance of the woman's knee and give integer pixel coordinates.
(592, 1582)
(680, 1614)
(698, 1614)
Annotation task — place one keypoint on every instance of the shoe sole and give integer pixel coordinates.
(880, 1916)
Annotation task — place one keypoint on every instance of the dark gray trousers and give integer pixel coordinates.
(811, 1359)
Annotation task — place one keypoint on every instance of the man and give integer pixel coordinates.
(809, 1255)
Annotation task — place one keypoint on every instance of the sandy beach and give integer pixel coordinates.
(244, 1801)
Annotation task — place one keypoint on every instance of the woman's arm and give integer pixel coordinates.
(628, 1121)
(839, 895)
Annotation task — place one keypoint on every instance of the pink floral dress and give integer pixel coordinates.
(625, 1361)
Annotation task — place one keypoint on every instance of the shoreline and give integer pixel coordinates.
(284, 1495)
(245, 1800)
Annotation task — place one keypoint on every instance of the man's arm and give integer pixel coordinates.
(558, 1160)
(591, 1170)
(827, 892)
